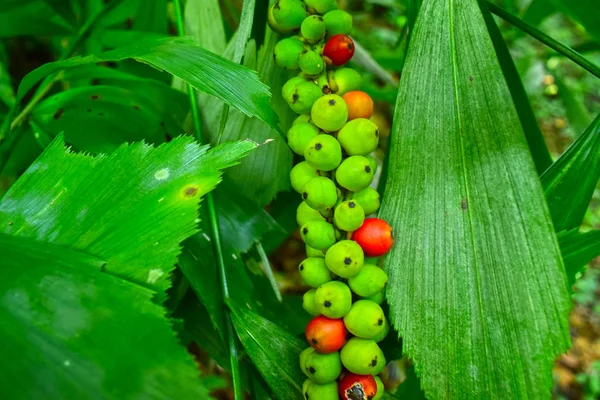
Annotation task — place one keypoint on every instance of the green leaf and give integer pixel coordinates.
(578, 249)
(234, 84)
(7, 93)
(476, 279)
(538, 11)
(204, 22)
(533, 134)
(411, 387)
(57, 311)
(570, 182)
(573, 101)
(583, 11)
(136, 201)
(30, 18)
(262, 339)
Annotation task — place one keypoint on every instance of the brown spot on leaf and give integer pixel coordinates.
(95, 97)
(58, 113)
(463, 204)
(136, 107)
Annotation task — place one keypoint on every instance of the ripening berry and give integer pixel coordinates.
(311, 63)
(312, 390)
(374, 237)
(326, 335)
(368, 198)
(339, 49)
(322, 368)
(303, 97)
(370, 280)
(320, 6)
(360, 104)
(301, 174)
(338, 22)
(299, 135)
(323, 152)
(345, 258)
(362, 356)
(348, 216)
(329, 113)
(320, 193)
(308, 302)
(318, 234)
(313, 28)
(343, 80)
(288, 14)
(333, 299)
(359, 137)
(380, 388)
(358, 387)
(314, 272)
(365, 319)
(354, 173)
(287, 51)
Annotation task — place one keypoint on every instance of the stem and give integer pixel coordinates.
(216, 232)
(545, 39)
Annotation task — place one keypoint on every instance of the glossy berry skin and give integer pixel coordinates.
(374, 237)
(326, 335)
(360, 104)
(339, 49)
(357, 387)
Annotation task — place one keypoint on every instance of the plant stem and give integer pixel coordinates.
(545, 39)
(216, 232)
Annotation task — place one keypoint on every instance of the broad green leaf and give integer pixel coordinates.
(476, 280)
(234, 84)
(204, 22)
(583, 11)
(131, 208)
(573, 101)
(244, 30)
(570, 182)
(538, 11)
(64, 8)
(11, 4)
(7, 93)
(63, 336)
(30, 18)
(263, 339)
(578, 249)
(533, 134)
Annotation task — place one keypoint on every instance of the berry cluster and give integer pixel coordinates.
(335, 136)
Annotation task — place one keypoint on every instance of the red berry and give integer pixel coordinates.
(339, 49)
(357, 387)
(374, 237)
(326, 335)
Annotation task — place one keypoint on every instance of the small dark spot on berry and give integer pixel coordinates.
(327, 304)
(380, 322)
(295, 97)
(304, 51)
(332, 102)
(302, 269)
(314, 341)
(312, 370)
(94, 97)
(356, 392)
(305, 231)
(305, 195)
(377, 133)
(352, 204)
(318, 146)
(347, 261)
(367, 169)
(374, 362)
(350, 46)
(58, 113)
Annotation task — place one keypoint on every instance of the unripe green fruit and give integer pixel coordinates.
(310, 252)
(314, 272)
(362, 356)
(386, 329)
(333, 299)
(359, 137)
(378, 297)
(370, 280)
(344, 80)
(348, 215)
(301, 174)
(299, 135)
(304, 356)
(308, 302)
(321, 6)
(322, 368)
(272, 23)
(303, 97)
(305, 213)
(368, 198)
(345, 258)
(302, 118)
(323, 152)
(320, 193)
(354, 173)
(289, 14)
(338, 22)
(365, 319)
(326, 391)
(289, 87)
(318, 234)
(313, 28)
(287, 51)
(310, 63)
(380, 388)
(318, 48)
(329, 113)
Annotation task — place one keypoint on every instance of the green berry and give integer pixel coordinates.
(310, 63)
(369, 281)
(344, 80)
(372, 162)
(310, 252)
(299, 135)
(318, 48)
(320, 193)
(289, 14)
(304, 356)
(318, 234)
(287, 51)
(322, 368)
(380, 388)
(378, 297)
(362, 356)
(359, 137)
(368, 198)
(320, 6)
(348, 216)
(314, 272)
(345, 258)
(290, 86)
(312, 390)
(354, 173)
(365, 319)
(338, 22)
(272, 23)
(305, 213)
(308, 302)
(329, 113)
(301, 174)
(384, 332)
(303, 97)
(313, 28)
(301, 119)
(333, 299)
(323, 152)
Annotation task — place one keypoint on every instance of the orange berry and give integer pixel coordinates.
(360, 104)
